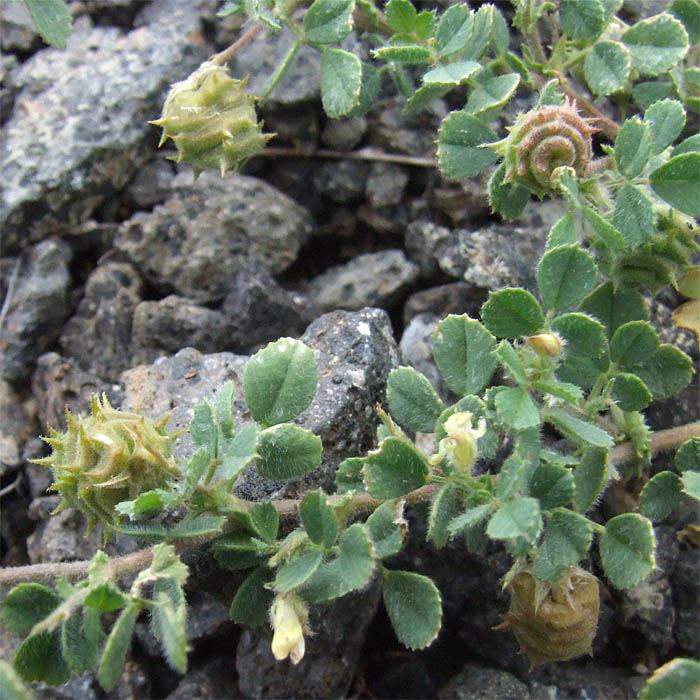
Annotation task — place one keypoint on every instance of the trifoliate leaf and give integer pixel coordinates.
(627, 549)
(607, 67)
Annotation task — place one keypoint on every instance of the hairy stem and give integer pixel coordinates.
(224, 55)
(288, 508)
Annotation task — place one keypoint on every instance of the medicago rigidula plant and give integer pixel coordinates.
(579, 358)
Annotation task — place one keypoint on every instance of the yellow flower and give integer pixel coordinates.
(288, 619)
(460, 443)
(546, 344)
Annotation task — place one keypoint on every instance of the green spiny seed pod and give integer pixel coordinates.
(108, 457)
(211, 120)
(544, 140)
(553, 621)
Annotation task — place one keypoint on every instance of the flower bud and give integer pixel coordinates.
(546, 344)
(460, 444)
(288, 617)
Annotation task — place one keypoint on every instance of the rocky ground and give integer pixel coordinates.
(120, 274)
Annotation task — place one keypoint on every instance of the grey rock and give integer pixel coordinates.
(372, 279)
(452, 298)
(194, 685)
(99, 335)
(413, 134)
(83, 687)
(57, 384)
(77, 132)
(634, 10)
(423, 240)
(297, 125)
(152, 184)
(17, 31)
(344, 134)
(195, 242)
(330, 661)
(343, 180)
(475, 682)
(15, 427)
(685, 594)
(8, 65)
(163, 327)
(38, 304)
(385, 184)
(258, 310)
(37, 478)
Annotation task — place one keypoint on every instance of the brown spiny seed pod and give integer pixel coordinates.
(544, 140)
(553, 621)
(108, 457)
(211, 120)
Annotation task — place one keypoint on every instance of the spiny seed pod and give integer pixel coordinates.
(553, 621)
(544, 140)
(211, 120)
(108, 457)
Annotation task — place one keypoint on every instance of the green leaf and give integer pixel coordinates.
(688, 12)
(651, 91)
(571, 393)
(511, 313)
(629, 392)
(318, 519)
(590, 477)
(287, 452)
(520, 518)
(369, 89)
(349, 571)
(240, 551)
(469, 518)
(691, 484)
(565, 275)
(203, 428)
(401, 16)
(689, 145)
(511, 361)
(251, 604)
(26, 605)
(463, 352)
(298, 570)
(52, 19)
(148, 502)
(517, 409)
(117, 645)
(676, 182)
(442, 511)
(413, 402)
(349, 476)
(500, 35)
(660, 496)
(492, 93)
(425, 95)
(341, 81)
(550, 94)
(605, 230)
(679, 678)
(656, 44)
(197, 464)
(425, 24)
(239, 452)
(567, 539)
(563, 232)
(688, 456)
(614, 307)
(39, 658)
(633, 216)
(666, 120)
(11, 686)
(105, 598)
(410, 54)
(633, 147)
(453, 30)
(566, 181)
(552, 485)
(197, 526)
(581, 20)
(627, 549)
(413, 604)
(394, 469)
(459, 146)
(328, 21)
(584, 336)
(633, 342)
(279, 381)
(81, 639)
(607, 67)
(223, 409)
(666, 372)
(481, 33)
(507, 198)
(168, 620)
(579, 430)
(387, 528)
(451, 73)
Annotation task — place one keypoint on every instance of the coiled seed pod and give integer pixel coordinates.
(553, 622)
(108, 457)
(543, 140)
(211, 120)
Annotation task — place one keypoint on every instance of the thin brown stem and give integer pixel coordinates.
(363, 503)
(369, 153)
(224, 55)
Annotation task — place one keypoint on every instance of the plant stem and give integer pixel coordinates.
(224, 55)
(287, 508)
(368, 153)
(281, 69)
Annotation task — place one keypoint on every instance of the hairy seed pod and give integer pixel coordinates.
(544, 140)
(211, 120)
(553, 621)
(108, 457)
